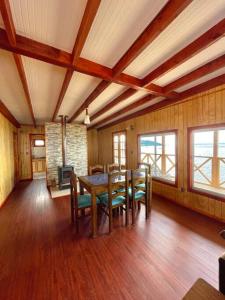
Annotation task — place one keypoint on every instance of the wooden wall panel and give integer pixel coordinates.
(202, 109)
(25, 171)
(92, 136)
(7, 179)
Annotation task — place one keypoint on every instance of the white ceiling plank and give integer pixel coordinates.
(196, 19)
(117, 25)
(52, 22)
(201, 80)
(79, 89)
(44, 83)
(212, 52)
(11, 89)
(121, 115)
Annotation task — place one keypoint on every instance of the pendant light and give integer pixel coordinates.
(87, 118)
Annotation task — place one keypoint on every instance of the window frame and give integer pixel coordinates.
(162, 132)
(116, 133)
(38, 139)
(190, 187)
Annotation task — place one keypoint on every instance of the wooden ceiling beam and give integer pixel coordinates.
(85, 26)
(6, 113)
(11, 35)
(206, 69)
(8, 21)
(167, 14)
(201, 43)
(21, 71)
(95, 93)
(42, 52)
(164, 18)
(128, 108)
(212, 83)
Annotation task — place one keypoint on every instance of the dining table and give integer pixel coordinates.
(97, 184)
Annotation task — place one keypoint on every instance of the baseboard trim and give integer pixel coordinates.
(190, 208)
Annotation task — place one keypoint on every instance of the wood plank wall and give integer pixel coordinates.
(92, 136)
(6, 158)
(203, 109)
(24, 132)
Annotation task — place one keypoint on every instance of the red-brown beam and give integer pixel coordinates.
(212, 83)
(4, 110)
(11, 35)
(196, 74)
(85, 26)
(134, 105)
(204, 41)
(165, 17)
(167, 14)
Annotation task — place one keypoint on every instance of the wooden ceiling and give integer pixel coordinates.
(119, 58)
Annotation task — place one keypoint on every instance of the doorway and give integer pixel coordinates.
(38, 156)
(16, 157)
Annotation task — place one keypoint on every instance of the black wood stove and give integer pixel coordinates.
(64, 171)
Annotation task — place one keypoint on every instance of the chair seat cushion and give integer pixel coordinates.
(141, 185)
(104, 199)
(137, 195)
(85, 200)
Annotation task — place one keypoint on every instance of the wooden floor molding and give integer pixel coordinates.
(42, 257)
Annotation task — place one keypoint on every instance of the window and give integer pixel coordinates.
(159, 150)
(119, 148)
(39, 143)
(207, 160)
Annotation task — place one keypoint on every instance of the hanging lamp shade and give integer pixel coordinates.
(87, 118)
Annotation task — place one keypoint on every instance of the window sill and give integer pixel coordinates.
(207, 193)
(165, 181)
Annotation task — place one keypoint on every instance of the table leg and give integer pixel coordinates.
(94, 215)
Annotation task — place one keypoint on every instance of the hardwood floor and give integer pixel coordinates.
(41, 257)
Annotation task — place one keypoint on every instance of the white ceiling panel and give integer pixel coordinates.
(196, 19)
(109, 94)
(117, 25)
(79, 89)
(11, 89)
(123, 104)
(157, 100)
(201, 80)
(214, 51)
(52, 22)
(44, 83)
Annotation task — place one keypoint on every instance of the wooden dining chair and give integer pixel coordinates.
(117, 196)
(97, 169)
(115, 168)
(142, 165)
(78, 202)
(140, 191)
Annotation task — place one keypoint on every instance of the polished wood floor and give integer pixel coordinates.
(41, 257)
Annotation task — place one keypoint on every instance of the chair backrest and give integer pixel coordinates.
(115, 168)
(73, 186)
(97, 169)
(143, 165)
(117, 185)
(139, 176)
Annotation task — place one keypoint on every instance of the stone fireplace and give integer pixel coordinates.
(75, 152)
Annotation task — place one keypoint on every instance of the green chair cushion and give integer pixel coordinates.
(141, 185)
(104, 199)
(85, 200)
(137, 195)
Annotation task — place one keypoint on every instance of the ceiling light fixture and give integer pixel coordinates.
(87, 118)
